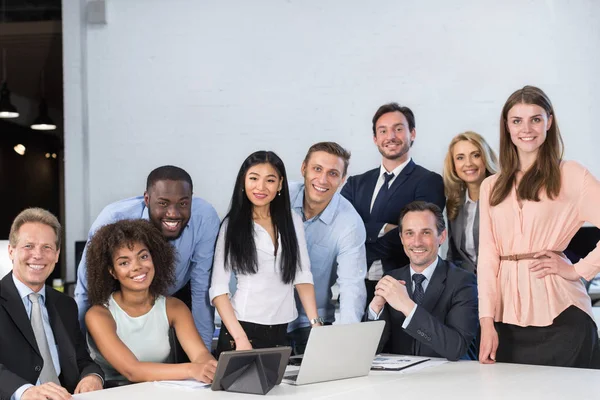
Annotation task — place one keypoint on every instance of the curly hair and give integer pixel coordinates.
(108, 239)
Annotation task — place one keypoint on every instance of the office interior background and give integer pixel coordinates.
(134, 84)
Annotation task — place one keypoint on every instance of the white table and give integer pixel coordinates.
(461, 381)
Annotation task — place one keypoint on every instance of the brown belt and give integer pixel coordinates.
(525, 256)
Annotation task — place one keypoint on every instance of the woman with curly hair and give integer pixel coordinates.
(468, 162)
(262, 242)
(130, 268)
(533, 306)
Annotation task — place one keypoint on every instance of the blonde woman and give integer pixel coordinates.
(468, 162)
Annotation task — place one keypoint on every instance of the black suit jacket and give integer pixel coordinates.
(20, 359)
(447, 322)
(413, 183)
(456, 232)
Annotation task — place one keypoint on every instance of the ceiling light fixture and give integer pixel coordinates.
(20, 149)
(43, 122)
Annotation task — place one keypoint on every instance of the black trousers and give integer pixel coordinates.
(571, 341)
(298, 339)
(260, 336)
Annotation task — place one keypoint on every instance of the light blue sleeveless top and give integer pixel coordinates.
(147, 336)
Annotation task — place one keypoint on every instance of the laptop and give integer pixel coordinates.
(337, 352)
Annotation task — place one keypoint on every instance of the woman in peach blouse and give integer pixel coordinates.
(533, 306)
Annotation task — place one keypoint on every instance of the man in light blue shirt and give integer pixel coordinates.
(335, 236)
(189, 223)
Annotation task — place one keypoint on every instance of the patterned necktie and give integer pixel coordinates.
(418, 293)
(382, 196)
(48, 373)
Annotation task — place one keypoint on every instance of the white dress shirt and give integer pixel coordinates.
(470, 210)
(427, 273)
(262, 298)
(376, 271)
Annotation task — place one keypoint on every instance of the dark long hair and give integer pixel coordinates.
(544, 174)
(240, 249)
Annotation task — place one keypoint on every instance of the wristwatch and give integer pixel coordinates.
(318, 320)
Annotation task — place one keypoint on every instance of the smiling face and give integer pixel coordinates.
(34, 255)
(527, 125)
(420, 238)
(169, 206)
(261, 184)
(393, 136)
(133, 267)
(468, 162)
(323, 175)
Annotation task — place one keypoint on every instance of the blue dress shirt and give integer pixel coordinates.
(336, 247)
(195, 248)
(24, 292)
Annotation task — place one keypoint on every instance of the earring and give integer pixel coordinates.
(242, 190)
(279, 193)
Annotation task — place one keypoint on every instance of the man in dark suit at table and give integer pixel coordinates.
(379, 194)
(430, 305)
(42, 351)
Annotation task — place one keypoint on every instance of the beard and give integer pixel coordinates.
(394, 155)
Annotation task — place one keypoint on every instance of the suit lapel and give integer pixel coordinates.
(458, 231)
(406, 171)
(16, 310)
(436, 286)
(66, 351)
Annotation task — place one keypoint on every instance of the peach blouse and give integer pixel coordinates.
(508, 291)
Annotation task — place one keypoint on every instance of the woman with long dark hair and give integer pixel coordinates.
(262, 242)
(468, 162)
(533, 306)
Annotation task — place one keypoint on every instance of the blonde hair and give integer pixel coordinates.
(34, 215)
(454, 187)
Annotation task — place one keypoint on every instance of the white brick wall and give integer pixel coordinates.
(201, 84)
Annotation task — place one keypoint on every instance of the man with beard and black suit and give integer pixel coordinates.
(379, 194)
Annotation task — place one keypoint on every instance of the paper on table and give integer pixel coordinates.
(396, 362)
(188, 384)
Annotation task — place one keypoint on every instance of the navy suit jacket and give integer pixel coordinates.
(20, 359)
(444, 325)
(413, 183)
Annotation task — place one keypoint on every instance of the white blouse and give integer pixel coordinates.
(262, 298)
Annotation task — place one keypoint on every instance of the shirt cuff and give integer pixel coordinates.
(382, 231)
(372, 316)
(409, 317)
(98, 375)
(19, 392)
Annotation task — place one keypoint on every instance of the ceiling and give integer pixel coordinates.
(31, 35)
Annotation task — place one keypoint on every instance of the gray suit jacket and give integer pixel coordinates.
(456, 231)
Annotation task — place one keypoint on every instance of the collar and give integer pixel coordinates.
(326, 215)
(468, 199)
(396, 171)
(25, 290)
(428, 272)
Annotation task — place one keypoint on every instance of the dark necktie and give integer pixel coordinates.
(418, 292)
(382, 197)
